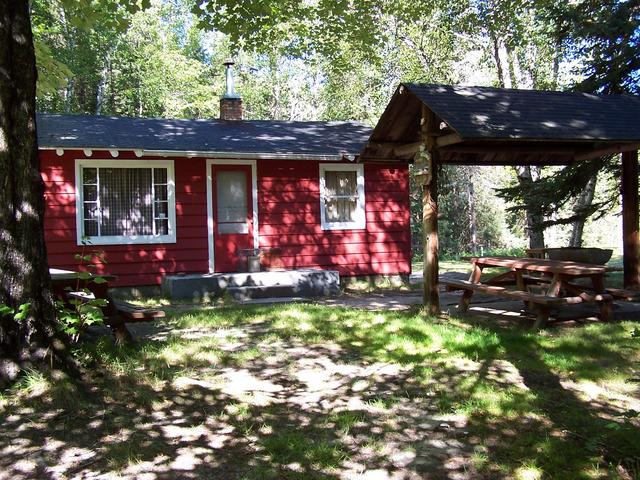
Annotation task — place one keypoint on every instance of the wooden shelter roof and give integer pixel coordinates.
(484, 125)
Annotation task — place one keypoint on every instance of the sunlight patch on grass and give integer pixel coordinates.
(382, 403)
(528, 473)
(529, 400)
(345, 421)
(38, 388)
(33, 384)
(289, 447)
(244, 356)
(240, 411)
(201, 352)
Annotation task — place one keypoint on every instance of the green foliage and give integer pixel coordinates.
(296, 28)
(17, 314)
(556, 191)
(52, 74)
(81, 309)
(75, 315)
(467, 204)
(602, 37)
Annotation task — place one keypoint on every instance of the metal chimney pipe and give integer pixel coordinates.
(230, 90)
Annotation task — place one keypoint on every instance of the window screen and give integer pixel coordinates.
(231, 198)
(125, 202)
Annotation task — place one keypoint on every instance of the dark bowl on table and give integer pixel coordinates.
(593, 256)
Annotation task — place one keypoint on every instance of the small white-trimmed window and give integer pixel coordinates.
(342, 196)
(125, 201)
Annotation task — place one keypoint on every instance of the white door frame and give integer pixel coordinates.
(254, 196)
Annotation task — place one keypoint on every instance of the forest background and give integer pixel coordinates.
(166, 61)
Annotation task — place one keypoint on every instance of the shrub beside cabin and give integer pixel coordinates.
(162, 196)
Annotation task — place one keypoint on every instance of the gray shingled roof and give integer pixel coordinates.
(244, 136)
(488, 113)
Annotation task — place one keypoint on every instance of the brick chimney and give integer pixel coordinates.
(230, 102)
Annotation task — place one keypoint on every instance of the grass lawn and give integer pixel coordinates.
(309, 391)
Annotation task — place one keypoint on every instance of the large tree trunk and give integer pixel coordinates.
(583, 202)
(534, 215)
(24, 274)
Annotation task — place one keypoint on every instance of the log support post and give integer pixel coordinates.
(630, 213)
(429, 179)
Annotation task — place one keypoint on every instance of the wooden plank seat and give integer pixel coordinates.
(118, 313)
(616, 293)
(542, 303)
(122, 313)
(509, 278)
(624, 294)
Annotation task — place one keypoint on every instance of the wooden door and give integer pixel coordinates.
(232, 215)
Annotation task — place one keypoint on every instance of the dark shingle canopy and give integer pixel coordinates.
(244, 136)
(485, 125)
(485, 112)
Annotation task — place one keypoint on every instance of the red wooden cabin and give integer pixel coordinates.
(162, 196)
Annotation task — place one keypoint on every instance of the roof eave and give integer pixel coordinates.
(327, 157)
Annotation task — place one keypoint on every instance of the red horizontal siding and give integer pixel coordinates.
(315, 228)
(133, 264)
(135, 255)
(290, 220)
(288, 212)
(341, 249)
(335, 238)
(290, 184)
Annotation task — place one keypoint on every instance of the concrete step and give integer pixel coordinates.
(243, 285)
(243, 294)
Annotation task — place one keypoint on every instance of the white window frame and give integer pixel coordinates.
(360, 221)
(125, 239)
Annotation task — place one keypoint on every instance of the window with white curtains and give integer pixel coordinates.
(342, 196)
(125, 201)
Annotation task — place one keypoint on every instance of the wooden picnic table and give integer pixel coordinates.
(64, 280)
(71, 285)
(541, 283)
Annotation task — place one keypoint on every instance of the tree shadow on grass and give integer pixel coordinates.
(310, 392)
(520, 396)
(295, 411)
(550, 426)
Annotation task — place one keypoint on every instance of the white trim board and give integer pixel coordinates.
(254, 193)
(139, 152)
(121, 239)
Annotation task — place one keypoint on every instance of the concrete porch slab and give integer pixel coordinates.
(244, 286)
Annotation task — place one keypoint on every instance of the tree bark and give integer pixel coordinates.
(630, 229)
(102, 85)
(24, 273)
(512, 67)
(582, 202)
(496, 58)
(473, 224)
(534, 215)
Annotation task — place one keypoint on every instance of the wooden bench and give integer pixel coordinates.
(118, 313)
(623, 294)
(543, 303)
(122, 313)
(617, 293)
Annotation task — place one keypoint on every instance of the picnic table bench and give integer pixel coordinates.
(70, 285)
(553, 279)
